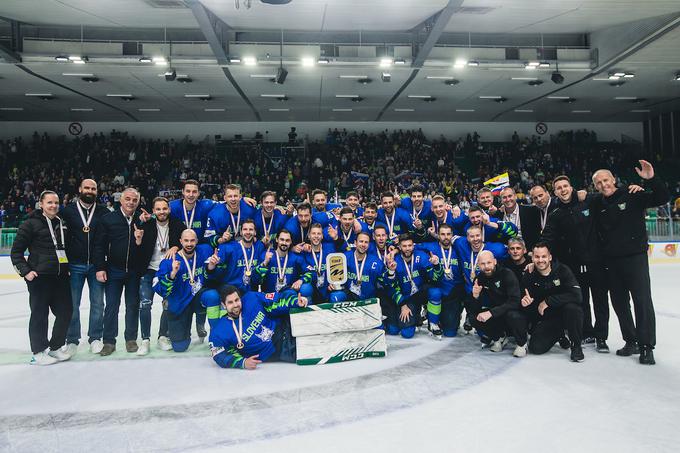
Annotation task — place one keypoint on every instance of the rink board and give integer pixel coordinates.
(336, 317)
(340, 347)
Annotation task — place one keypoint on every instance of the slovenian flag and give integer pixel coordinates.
(498, 183)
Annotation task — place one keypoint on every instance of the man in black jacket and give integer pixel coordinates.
(554, 292)
(159, 240)
(542, 200)
(495, 305)
(115, 255)
(527, 218)
(572, 236)
(83, 217)
(620, 218)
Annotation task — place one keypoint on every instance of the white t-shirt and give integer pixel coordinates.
(163, 231)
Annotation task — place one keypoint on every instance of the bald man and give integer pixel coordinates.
(494, 307)
(620, 219)
(83, 217)
(181, 280)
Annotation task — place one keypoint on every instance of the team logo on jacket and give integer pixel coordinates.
(586, 212)
(266, 334)
(556, 282)
(498, 284)
(622, 206)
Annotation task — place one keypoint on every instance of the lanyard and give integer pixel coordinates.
(190, 269)
(302, 234)
(239, 332)
(446, 258)
(360, 270)
(248, 262)
(346, 236)
(86, 223)
(266, 228)
(473, 262)
(281, 271)
(54, 237)
(188, 221)
(318, 263)
(163, 240)
(409, 269)
(544, 215)
(390, 225)
(238, 221)
(381, 255)
(436, 222)
(416, 214)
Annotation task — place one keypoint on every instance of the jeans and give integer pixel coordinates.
(146, 302)
(95, 329)
(117, 279)
(179, 324)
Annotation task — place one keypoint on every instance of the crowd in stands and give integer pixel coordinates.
(340, 163)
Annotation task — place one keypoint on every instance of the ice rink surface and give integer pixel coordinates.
(424, 396)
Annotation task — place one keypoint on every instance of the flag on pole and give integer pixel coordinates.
(498, 183)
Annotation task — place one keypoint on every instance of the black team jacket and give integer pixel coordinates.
(500, 291)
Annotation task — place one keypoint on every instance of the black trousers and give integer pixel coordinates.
(513, 323)
(592, 278)
(629, 276)
(49, 292)
(452, 309)
(552, 325)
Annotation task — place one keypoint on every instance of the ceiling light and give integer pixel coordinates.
(613, 77)
(263, 76)
(523, 78)
(677, 76)
(272, 95)
(580, 111)
(386, 77)
(83, 109)
(203, 97)
(558, 97)
(76, 74)
(146, 60)
(625, 98)
(619, 74)
(349, 76)
(419, 96)
(435, 77)
(160, 61)
(465, 110)
(40, 95)
(628, 75)
(460, 63)
(279, 110)
(544, 64)
(249, 61)
(77, 59)
(473, 63)
(531, 65)
(11, 109)
(347, 96)
(490, 97)
(124, 97)
(524, 111)
(641, 111)
(386, 62)
(322, 61)
(400, 61)
(61, 58)
(404, 110)
(234, 60)
(308, 61)
(342, 110)
(148, 110)
(214, 110)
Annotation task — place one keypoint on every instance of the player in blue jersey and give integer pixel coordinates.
(441, 215)
(447, 295)
(369, 219)
(352, 201)
(282, 268)
(224, 220)
(493, 230)
(255, 328)
(415, 273)
(344, 237)
(321, 205)
(397, 220)
(467, 250)
(418, 208)
(190, 210)
(298, 226)
(269, 219)
(366, 274)
(380, 245)
(315, 254)
(181, 281)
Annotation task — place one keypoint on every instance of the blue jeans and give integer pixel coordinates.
(179, 324)
(79, 274)
(117, 279)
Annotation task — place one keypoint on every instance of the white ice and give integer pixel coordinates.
(426, 395)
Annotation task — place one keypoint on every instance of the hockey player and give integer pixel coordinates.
(181, 280)
(554, 292)
(238, 259)
(492, 230)
(315, 255)
(352, 201)
(370, 216)
(344, 237)
(468, 250)
(414, 272)
(298, 225)
(485, 199)
(256, 328)
(191, 210)
(495, 305)
(283, 268)
(446, 296)
(441, 215)
(269, 219)
(397, 220)
(224, 220)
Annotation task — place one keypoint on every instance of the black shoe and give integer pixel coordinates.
(467, 326)
(588, 340)
(630, 348)
(564, 343)
(647, 355)
(577, 353)
(601, 346)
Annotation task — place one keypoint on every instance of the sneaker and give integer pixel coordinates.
(497, 345)
(96, 346)
(164, 344)
(630, 348)
(577, 353)
(131, 346)
(564, 343)
(467, 327)
(43, 358)
(107, 349)
(647, 355)
(588, 340)
(520, 351)
(70, 349)
(435, 330)
(601, 346)
(60, 355)
(144, 348)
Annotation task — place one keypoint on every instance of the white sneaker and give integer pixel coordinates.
(144, 347)
(59, 355)
(164, 344)
(70, 349)
(520, 351)
(43, 358)
(497, 346)
(96, 346)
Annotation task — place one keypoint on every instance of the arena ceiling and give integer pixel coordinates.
(589, 40)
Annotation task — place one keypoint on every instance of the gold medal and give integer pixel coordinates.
(247, 273)
(239, 345)
(86, 229)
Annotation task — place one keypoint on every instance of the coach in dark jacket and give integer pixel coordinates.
(45, 235)
(83, 218)
(115, 255)
(526, 218)
(620, 218)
